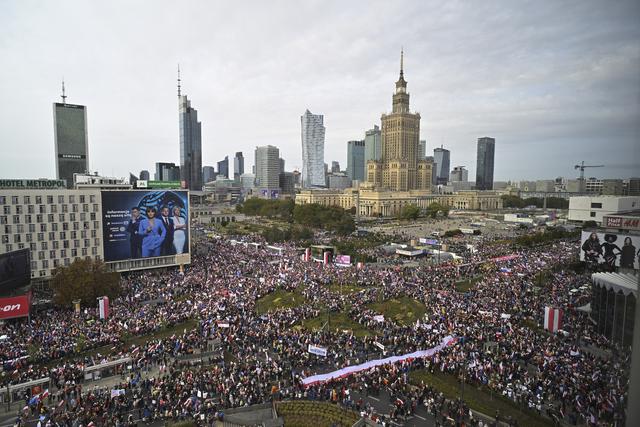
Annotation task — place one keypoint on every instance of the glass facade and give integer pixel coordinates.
(355, 160)
(190, 146)
(71, 143)
(484, 164)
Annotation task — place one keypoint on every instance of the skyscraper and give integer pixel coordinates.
(335, 166)
(167, 172)
(372, 145)
(484, 164)
(400, 169)
(422, 149)
(442, 158)
(208, 174)
(238, 165)
(355, 160)
(190, 143)
(281, 162)
(267, 167)
(144, 175)
(223, 167)
(313, 131)
(71, 139)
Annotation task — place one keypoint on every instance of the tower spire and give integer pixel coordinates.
(64, 97)
(178, 79)
(401, 62)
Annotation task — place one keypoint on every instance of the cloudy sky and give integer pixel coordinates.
(555, 82)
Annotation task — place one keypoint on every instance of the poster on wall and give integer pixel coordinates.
(144, 224)
(610, 249)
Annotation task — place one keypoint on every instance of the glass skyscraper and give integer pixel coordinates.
(312, 150)
(372, 144)
(355, 160)
(71, 141)
(190, 145)
(484, 164)
(238, 165)
(442, 158)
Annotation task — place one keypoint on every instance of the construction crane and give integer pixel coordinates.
(582, 167)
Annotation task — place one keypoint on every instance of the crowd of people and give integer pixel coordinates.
(573, 377)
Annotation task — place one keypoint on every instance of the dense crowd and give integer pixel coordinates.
(575, 376)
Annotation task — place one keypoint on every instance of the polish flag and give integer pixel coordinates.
(307, 254)
(552, 319)
(103, 304)
(327, 256)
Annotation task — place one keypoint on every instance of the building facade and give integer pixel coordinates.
(267, 161)
(398, 168)
(144, 175)
(223, 167)
(459, 174)
(313, 132)
(71, 140)
(484, 163)
(442, 158)
(167, 172)
(594, 208)
(190, 145)
(208, 174)
(372, 145)
(355, 160)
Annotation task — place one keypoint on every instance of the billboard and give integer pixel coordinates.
(15, 270)
(610, 249)
(13, 307)
(342, 259)
(144, 224)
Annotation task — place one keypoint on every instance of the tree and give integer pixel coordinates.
(84, 279)
(434, 208)
(410, 211)
(509, 201)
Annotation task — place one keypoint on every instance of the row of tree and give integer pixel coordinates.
(509, 201)
(412, 211)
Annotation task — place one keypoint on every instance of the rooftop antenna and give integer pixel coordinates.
(401, 61)
(178, 79)
(64, 97)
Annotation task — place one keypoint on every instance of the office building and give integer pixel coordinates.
(167, 172)
(223, 167)
(339, 181)
(594, 208)
(281, 163)
(372, 145)
(335, 166)
(484, 163)
(71, 139)
(632, 187)
(247, 181)
(459, 174)
(422, 149)
(267, 161)
(144, 175)
(208, 174)
(287, 183)
(238, 165)
(442, 158)
(399, 168)
(612, 187)
(313, 132)
(355, 160)
(190, 144)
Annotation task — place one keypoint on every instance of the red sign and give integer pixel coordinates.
(15, 306)
(627, 223)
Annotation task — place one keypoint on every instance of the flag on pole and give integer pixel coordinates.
(103, 305)
(307, 254)
(327, 257)
(552, 319)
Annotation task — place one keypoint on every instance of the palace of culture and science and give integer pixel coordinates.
(399, 178)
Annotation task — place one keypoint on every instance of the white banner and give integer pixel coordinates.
(377, 344)
(379, 318)
(318, 351)
(341, 373)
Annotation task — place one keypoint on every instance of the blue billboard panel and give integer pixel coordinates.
(144, 224)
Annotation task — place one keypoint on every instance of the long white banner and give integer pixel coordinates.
(341, 373)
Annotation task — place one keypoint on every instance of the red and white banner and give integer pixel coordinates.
(307, 254)
(103, 306)
(552, 319)
(505, 258)
(344, 372)
(327, 257)
(13, 307)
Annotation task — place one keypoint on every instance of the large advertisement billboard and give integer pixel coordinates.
(13, 307)
(145, 224)
(15, 270)
(610, 249)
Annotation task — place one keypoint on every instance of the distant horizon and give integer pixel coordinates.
(548, 84)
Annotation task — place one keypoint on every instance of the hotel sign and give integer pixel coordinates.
(622, 222)
(32, 184)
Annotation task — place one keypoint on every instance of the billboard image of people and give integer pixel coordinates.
(145, 224)
(610, 250)
(15, 270)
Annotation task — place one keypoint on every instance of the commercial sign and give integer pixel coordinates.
(32, 184)
(342, 260)
(13, 307)
(622, 222)
(144, 224)
(164, 184)
(318, 351)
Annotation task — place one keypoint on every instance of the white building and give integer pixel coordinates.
(313, 131)
(267, 166)
(459, 174)
(593, 208)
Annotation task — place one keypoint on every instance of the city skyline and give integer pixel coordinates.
(561, 86)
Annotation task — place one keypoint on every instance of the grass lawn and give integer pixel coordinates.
(279, 299)
(315, 414)
(467, 284)
(344, 289)
(404, 311)
(478, 399)
(339, 321)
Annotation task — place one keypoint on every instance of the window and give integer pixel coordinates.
(55, 244)
(17, 238)
(41, 255)
(6, 209)
(85, 252)
(65, 226)
(65, 208)
(94, 233)
(65, 244)
(92, 216)
(3, 200)
(28, 219)
(14, 200)
(33, 247)
(87, 243)
(60, 199)
(82, 198)
(29, 237)
(592, 214)
(61, 217)
(94, 251)
(20, 228)
(63, 235)
(54, 226)
(45, 263)
(72, 217)
(9, 247)
(45, 246)
(52, 254)
(40, 237)
(63, 253)
(76, 243)
(34, 265)
(7, 229)
(43, 227)
(52, 236)
(596, 206)
(5, 239)
(20, 209)
(66, 261)
(74, 234)
(50, 218)
(74, 253)
(49, 200)
(54, 208)
(32, 228)
(76, 226)
(74, 208)
(39, 218)
(56, 263)
(42, 209)
(16, 219)
(92, 198)
(20, 245)
(72, 199)
(27, 200)
(3, 219)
